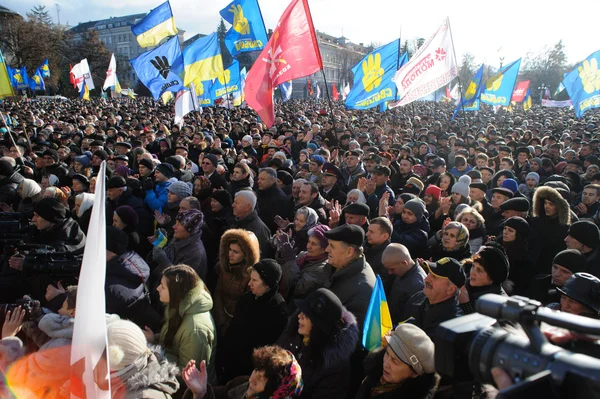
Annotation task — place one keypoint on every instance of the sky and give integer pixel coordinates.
(509, 29)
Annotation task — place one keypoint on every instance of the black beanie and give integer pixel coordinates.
(571, 259)
(269, 271)
(222, 197)
(166, 169)
(147, 163)
(116, 240)
(586, 232)
(213, 159)
(6, 169)
(495, 262)
(520, 225)
(127, 215)
(285, 177)
(51, 209)
(101, 154)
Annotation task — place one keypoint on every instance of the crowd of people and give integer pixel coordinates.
(241, 259)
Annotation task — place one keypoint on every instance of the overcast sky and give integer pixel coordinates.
(509, 28)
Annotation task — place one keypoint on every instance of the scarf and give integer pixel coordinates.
(303, 260)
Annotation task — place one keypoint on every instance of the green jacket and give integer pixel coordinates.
(196, 337)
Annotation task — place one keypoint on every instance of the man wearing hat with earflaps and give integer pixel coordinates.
(580, 295)
(584, 236)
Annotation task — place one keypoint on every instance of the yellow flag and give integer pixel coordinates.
(5, 86)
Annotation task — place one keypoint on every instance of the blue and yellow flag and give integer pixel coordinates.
(247, 32)
(228, 82)
(85, 92)
(36, 82)
(373, 77)
(45, 69)
(527, 100)
(161, 69)
(470, 101)
(204, 93)
(155, 26)
(18, 77)
(378, 321)
(5, 82)
(499, 88)
(583, 84)
(202, 60)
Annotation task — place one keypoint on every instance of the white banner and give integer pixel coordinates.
(89, 365)
(557, 104)
(111, 74)
(184, 104)
(432, 67)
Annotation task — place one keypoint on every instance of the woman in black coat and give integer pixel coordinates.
(322, 336)
(259, 319)
(451, 242)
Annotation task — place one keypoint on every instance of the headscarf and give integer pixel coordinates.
(361, 196)
(311, 217)
(87, 200)
(291, 386)
(462, 238)
(30, 188)
(192, 220)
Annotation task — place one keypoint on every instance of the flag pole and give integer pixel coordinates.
(398, 60)
(457, 75)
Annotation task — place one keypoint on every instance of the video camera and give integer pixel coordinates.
(43, 259)
(468, 347)
(14, 228)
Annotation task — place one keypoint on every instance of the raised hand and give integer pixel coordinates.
(196, 379)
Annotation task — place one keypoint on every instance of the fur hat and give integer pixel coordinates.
(494, 261)
(269, 271)
(462, 186)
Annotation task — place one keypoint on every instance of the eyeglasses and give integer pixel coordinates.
(206, 163)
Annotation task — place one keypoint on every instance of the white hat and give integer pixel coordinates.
(126, 344)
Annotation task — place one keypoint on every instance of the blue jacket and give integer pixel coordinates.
(157, 198)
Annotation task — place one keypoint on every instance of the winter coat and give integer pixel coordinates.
(549, 232)
(9, 186)
(27, 205)
(157, 198)
(421, 387)
(196, 337)
(437, 251)
(145, 225)
(65, 236)
(299, 281)
(233, 279)
(254, 224)
(412, 236)
(353, 285)
(402, 289)
(335, 194)
(157, 380)
(477, 292)
(542, 289)
(427, 316)
(272, 202)
(237, 185)
(188, 251)
(373, 199)
(521, 258)
(477, 238)
(373, 257)
(257, 321)
(326, 367)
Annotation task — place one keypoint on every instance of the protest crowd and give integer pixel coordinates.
(246, 256)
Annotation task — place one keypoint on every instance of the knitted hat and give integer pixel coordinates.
(127, 215)
(116, 240)
(180, 189)
(269, 271)
(147, 163)
(52, 153)
(413, 347)
(520, 225)
(6, 168)
(122, 170)
(51, 209)
(434, 191)
(166, 169)
(571, 259)
(416, 206)
(510, 184)
(83, 159)
(213, 159)
(586, 232)
(103, 155)
(126, 344)
(285, 177)
(461, 208)
(222, 197)
(462, 186)
(494, 261)
(534, 176)
(192, 220)
(319, 233)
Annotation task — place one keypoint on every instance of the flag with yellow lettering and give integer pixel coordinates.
(155, 26)
(247, 31)
(227, 82)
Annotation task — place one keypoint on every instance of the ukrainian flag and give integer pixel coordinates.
(85, 92)
(470, 101)
(5, 85)
(527, 101)
(202, 60)
(155, 26)
(378, 321)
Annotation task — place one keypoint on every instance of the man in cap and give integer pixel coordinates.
(438, 301)
(376, 187)
(330, 189)
(357, 214)
(518, 206)
(315, 167)
(398, 181)
(584, 236)
(579, 295)
(352, 169)
(209, 165)
(352, 279)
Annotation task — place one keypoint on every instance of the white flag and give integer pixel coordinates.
(87, 74)
(111, 74)
(89, 370)
(455, 92)
(318, 92)
(432, 67)
(184, 104)
(346, 90)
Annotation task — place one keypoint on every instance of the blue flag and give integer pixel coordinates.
(499, 88)
(45, 69)
(203, 93)
(583, 84)
(228, 82)
(248, 31)
(373, 77)
(158, 24)
(36, 82)
(202, 60)
(286, 90)
(161, 69)
(18, 77)
(471, 98)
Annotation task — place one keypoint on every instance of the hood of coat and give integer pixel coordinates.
(342, 343)
(198, 300)
(157, 375)
(247, 241)
(562, 206)
(57, 326)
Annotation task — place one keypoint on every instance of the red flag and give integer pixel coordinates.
(309, 87)
(520, 91)
(448, 95)
(291, 53)
(335, 93)
(72, 76)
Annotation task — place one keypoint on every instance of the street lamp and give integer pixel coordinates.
(542, 89)
(501, 56)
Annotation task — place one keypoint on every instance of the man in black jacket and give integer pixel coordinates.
(9, 184)
(246, 218)
(272, 201)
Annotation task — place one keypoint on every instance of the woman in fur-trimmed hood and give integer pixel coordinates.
(322, 335)
(550, 223)
(239, 250)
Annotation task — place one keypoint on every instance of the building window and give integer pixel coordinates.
(110, 26)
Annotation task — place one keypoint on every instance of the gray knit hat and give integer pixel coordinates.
(416, 206)
(180, 189)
